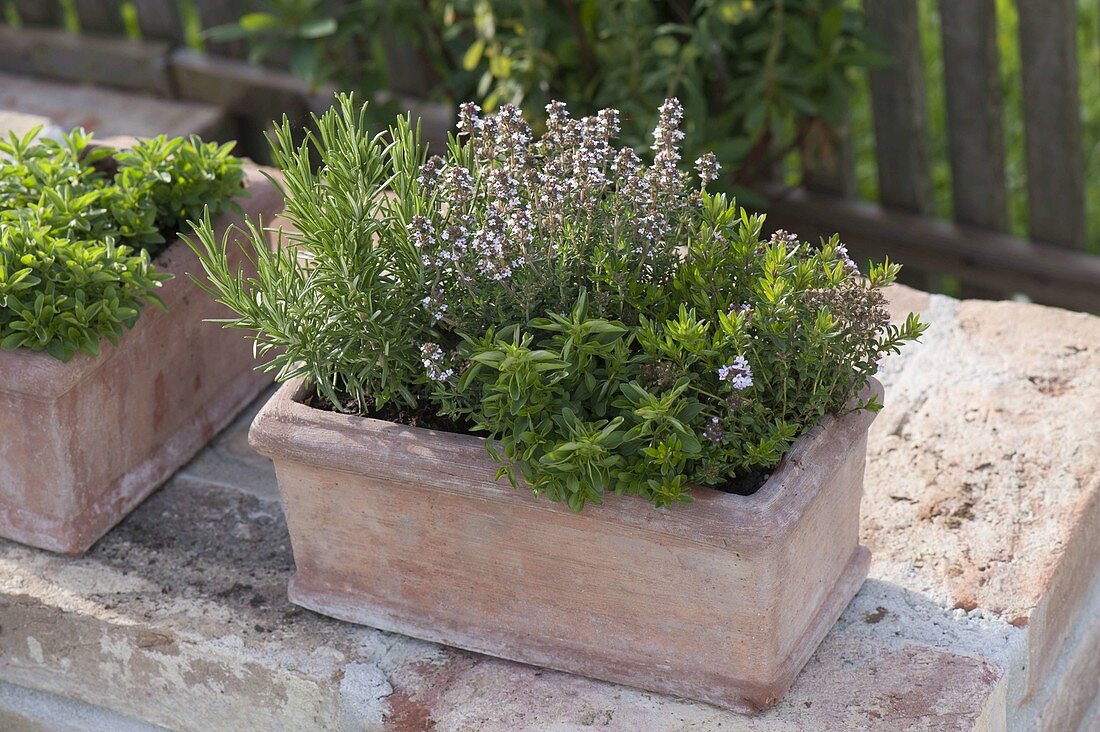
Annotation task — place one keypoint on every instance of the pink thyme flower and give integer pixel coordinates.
(707, 166)
(737, 373)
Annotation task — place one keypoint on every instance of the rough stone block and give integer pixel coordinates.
(109, 112)
(202, 567)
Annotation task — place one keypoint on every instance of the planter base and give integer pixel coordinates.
(721, 692)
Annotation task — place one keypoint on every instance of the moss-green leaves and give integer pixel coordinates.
(77, 224)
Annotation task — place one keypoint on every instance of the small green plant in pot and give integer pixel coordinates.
(610, 327)
(80, 224)
(88, 240)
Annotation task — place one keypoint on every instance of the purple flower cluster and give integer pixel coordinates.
(782, 236)
(518, 202)
(707, 166)
(435, 306)
(432, 358)
(849, 265)
(714, 432)
(737, 373)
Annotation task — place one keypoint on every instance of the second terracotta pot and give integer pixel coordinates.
(83, 442)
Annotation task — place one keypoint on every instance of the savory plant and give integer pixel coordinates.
(79, 225)
(608, 324)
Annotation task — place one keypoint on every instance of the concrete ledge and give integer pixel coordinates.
(86, 57)
(27, 710)
(981, 477)
(108, 112)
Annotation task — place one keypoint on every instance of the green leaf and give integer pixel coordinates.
(318, 28)
(473, 54)
(255, 22)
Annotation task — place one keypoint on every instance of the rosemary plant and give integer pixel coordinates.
(607, 323)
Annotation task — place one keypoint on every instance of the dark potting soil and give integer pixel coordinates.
(745, 485)
(741, 485)
(391, 413)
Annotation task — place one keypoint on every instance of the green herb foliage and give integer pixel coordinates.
(609, 324)
(79, 225)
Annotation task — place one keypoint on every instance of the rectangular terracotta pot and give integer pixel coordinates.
(83, 442)
(723, 599)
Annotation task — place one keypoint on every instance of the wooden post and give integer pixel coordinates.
(99, 16)
(39, 12)
(828, 160)
(900, 115)
(898, 104)
(159, 20)
(1052, 121)
(975, 121)
(213, 13)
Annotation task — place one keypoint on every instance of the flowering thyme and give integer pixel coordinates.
(433, 357)
(737, 373)
(782, 236)
(515, 218)
(607, 316)
(435, 306)
(707, 166)
(849, 265)
(714, 432)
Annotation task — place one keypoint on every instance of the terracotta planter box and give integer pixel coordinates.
(83, 442)
(721, 600)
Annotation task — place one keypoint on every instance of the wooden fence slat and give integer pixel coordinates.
(159, 19)
(39, 12)
(1052, 121)
(975, 121)
(898, 105)
(99, 16)
(998, 262)
(86, 58)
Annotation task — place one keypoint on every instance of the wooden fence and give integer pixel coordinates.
(1051, 266)
(150, 46)
(164, 20)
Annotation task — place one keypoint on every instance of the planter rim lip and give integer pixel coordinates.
(38, 375)
(287, 429)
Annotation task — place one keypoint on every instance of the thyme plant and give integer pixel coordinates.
(607, 323)
(79, 225)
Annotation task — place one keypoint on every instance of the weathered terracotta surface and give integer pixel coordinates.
(84, 442)
(721, 600)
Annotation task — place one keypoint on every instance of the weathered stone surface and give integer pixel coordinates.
(108, 112)
(21, 124)
(179, 616)
(983, 489)
(26, 710)
(86, 58)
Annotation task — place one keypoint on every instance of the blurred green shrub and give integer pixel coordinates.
(759, 79)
